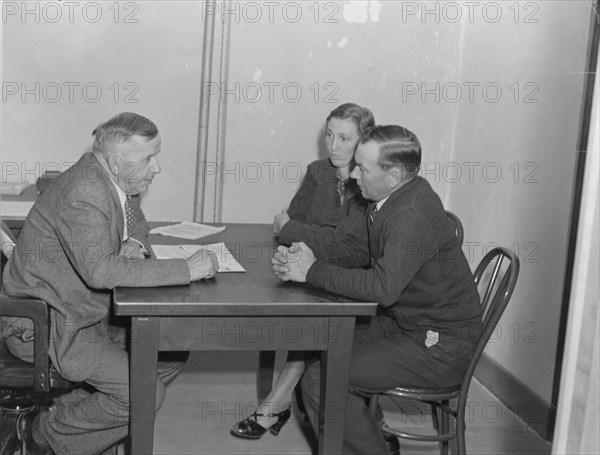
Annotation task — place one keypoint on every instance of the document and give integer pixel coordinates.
(227, 262)
(187, 230)
(13, 188)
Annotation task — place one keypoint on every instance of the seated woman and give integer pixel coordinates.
(326, 197)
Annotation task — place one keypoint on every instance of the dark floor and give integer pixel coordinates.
(216, 389)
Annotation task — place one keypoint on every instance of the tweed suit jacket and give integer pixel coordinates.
(68, 255)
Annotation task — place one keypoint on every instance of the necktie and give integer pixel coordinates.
(341, 191)
(372, 215)
(129, 216)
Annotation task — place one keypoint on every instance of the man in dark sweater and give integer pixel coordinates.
(405, 256)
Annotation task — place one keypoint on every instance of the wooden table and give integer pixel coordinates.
(240, 311)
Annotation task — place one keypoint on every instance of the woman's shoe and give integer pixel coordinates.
(249, 428)
(282, 418)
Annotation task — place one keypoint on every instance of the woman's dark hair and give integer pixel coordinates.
(361, 116)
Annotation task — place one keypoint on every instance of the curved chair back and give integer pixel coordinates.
(496, 282)
(495, 277)
(458, 225)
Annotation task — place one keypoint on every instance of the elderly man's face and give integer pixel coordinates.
(137, 161)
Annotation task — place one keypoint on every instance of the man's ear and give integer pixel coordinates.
(113, 161)
(396, 176)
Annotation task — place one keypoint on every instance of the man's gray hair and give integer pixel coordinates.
(121, 128)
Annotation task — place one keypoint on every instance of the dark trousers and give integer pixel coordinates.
(91, 419)
(385, 356)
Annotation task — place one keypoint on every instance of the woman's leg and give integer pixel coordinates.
(281, 395)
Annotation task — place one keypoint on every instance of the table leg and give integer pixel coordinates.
(143, 362)
(335, 372)
(266, 368)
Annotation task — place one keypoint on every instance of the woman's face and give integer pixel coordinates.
(341, 137)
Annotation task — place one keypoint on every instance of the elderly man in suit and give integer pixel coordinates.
(85, 235)
(406, 257)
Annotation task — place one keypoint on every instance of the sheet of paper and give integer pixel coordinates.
(227, 262)
(13, 188)
(15, 209)
(187, 230)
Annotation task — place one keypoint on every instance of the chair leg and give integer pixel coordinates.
(434, 417)
(460, 434)
(266, 368)
(445, 428)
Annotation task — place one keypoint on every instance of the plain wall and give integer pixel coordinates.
(522, 199)
(404, 64)
(151, 66)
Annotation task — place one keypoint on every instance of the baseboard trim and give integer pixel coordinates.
(519, 398)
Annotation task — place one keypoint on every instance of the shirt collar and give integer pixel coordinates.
(381, 202)
(122, 198)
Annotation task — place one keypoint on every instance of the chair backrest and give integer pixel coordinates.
(458, 226)
(495, 277)
(13, 375)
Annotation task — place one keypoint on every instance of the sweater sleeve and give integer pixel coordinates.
(344, 244)
(409, 244)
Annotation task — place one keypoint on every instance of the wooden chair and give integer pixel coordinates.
(23, 384)
(460, 233)
(496, 281)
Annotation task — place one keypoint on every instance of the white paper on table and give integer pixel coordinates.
(227, 262)
(187, 230)
(13, 188)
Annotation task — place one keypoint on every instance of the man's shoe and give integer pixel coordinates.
(30, 446)
(392, 443)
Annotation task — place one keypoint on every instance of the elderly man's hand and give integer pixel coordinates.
(293, 263)
(280, 221)
(202, 264)
(132, 249)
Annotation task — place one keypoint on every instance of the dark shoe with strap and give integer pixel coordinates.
(392, 443)
(249, 428)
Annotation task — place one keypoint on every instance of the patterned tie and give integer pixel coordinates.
(129, 216)
(372, 215)
(341, 191)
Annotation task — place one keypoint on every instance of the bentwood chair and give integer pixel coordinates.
(495, 276)
(460, 233)
(24, 385)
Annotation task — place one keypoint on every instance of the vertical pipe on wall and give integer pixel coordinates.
(221, 119)
(207, 49)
